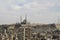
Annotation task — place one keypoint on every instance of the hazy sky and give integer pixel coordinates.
(42, 11)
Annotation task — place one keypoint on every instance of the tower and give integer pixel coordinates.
(25, 20)
(20, 19)
(58, 20)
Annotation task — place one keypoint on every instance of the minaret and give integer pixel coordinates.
(58, 20)
(26, 18)
(20, 19)
(24, 21)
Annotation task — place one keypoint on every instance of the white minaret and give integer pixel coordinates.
(58, 20)
(58, 23)
(26, 18)
(20, 19)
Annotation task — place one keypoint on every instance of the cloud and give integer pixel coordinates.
(41, 12)
(44, 11)
(42, 5)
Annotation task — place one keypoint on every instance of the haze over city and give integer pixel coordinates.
(40, 11)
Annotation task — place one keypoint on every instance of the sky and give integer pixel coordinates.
(37, 11)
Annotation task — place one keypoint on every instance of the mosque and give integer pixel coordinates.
(27, 31)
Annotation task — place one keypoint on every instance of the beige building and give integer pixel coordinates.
(58, 26)
(22, 31)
